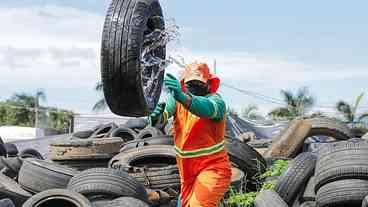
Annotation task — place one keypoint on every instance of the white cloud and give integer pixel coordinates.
(54, 48)
(39, 27)
(271, 70)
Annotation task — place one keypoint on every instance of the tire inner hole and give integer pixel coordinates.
(154, 161)
(58, 202)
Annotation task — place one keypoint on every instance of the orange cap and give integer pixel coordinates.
(201, 72)
(197, 71)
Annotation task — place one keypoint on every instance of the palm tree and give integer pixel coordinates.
(101, 104)
(250, 112)
(350, 112)
(296, 104)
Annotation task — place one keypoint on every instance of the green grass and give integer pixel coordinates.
(246, 199)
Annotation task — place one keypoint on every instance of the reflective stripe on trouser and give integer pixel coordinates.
(206, 190)
(200, 152)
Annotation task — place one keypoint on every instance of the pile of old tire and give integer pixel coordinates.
(43, 183)
(341, 177)
(152, 161)
(10, 168)
(96, 151)
(12, 160)
(291, 187)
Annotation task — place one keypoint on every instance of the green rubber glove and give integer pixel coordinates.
(155, 115)
(174, 86)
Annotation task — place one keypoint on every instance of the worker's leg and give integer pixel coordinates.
(209, 188)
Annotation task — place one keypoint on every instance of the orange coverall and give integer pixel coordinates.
(203, 162)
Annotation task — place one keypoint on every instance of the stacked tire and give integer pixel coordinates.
(341, 177)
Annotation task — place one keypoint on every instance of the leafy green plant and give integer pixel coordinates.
(246, 199)
(275, 170)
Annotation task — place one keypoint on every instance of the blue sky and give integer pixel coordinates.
(260, 46)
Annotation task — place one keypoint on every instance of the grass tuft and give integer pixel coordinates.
(246, 199)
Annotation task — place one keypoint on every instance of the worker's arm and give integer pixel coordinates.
(211, 106)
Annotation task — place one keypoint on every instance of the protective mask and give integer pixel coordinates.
(197, 88)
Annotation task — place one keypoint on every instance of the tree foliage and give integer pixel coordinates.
(350, 111)
(101, 104)
(296, 105)
(19, 110)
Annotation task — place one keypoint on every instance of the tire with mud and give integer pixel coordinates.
(130, 27)
(329, 127)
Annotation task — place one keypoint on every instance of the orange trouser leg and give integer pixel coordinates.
(207, 190)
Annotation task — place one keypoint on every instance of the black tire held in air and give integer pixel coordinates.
(127, 24)
(296, 177)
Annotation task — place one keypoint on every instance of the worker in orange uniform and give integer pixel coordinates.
(199, 129)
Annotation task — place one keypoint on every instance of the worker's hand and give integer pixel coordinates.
(155, 115)
(172, 83)
(174, 86)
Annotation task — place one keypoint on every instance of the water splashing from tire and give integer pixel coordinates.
(153, 66)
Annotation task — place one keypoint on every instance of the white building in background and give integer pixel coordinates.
(15, 133)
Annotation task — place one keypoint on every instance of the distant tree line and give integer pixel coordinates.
(21, 110)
